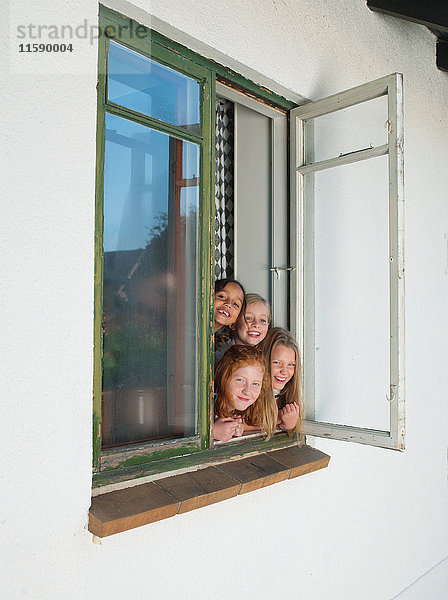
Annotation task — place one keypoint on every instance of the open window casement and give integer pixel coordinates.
(347, 292)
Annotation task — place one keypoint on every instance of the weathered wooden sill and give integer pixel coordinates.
(121, 510)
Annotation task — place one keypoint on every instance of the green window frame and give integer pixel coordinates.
(155, 457)
(146, 459)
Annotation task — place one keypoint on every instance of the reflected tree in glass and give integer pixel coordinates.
(149, 319)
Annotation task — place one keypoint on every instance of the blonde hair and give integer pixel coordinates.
(260, 413)
(293, 391)
(253, 298)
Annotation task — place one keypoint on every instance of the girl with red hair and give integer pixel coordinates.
(241, 393)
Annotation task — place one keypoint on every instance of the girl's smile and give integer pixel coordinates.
(228, 303)
(283, 364)
(251, 330)
(245, 386)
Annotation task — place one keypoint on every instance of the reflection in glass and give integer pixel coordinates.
(151, 200)
(148, 87)
(352, 294)
(349, 130)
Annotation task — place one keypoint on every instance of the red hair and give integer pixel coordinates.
(237, 357)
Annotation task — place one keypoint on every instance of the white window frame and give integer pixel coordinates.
(279, 192)
(302, 197)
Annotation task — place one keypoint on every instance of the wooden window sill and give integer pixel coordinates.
(120, 510)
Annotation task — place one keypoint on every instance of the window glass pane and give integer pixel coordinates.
(143, 85)
(349, 130)
(352, 295)
(151, 200)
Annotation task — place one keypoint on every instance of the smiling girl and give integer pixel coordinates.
(229, 302)
(253, 328)
(249, 329)
(284, 370)
(241, 393)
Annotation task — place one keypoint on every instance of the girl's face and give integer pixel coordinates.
(283, 364)
(228, 303)
(244, 386)
(254, 329)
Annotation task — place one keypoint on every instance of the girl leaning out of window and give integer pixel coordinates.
(242, 394)
(284, 371)
(230, 303)
(249, 329)
(230, 306)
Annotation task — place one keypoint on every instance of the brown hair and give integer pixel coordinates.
(261, 411)
(225, 333)
(292, 392)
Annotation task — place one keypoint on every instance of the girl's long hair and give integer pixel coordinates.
(225, 333)
(261, 412)
(293, 390)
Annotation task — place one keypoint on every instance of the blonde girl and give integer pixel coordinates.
(252, 329)
(242, 395)
(249, 329)
(284, 370)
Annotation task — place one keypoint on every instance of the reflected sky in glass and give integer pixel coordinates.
(151, 211)
(136, 182)
(150, 88)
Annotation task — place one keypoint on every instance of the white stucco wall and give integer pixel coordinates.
(365, 528)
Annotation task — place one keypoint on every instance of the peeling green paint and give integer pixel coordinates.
(220, 71)
(154, 456)
(98, 273)
(214, 455)
(156, 48)
(206, 72)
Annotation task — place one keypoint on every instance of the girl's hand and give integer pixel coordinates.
(239, 428)
(288, 416)
(226, 427)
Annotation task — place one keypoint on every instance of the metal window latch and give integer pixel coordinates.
(278, 269)
(369, 147)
